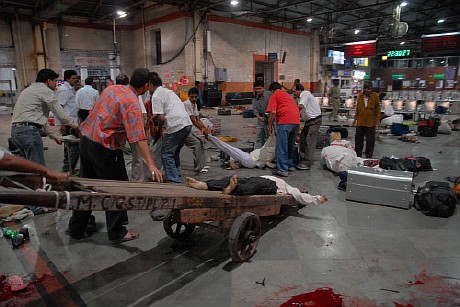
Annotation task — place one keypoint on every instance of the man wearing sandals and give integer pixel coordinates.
(115, 118)
(193, 141)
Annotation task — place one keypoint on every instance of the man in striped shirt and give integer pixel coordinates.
(115, 118)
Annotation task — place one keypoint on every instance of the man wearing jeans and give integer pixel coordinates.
(174, 124)
(259, 106)
(282, 106)
(31, 113)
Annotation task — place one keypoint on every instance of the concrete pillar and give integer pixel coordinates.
(39, 46)
(198, 69)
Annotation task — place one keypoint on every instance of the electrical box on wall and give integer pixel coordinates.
(220, 74)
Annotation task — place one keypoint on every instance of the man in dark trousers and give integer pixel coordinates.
(115, 118)
(367, 117)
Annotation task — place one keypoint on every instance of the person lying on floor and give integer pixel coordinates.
(263, 185)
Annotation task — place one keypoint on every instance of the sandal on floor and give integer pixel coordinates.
(130, 236)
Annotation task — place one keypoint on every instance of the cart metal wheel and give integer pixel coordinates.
(175, 229)
(244, 236)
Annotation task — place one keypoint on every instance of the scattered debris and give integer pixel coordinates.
(395, 291)
(261, 283)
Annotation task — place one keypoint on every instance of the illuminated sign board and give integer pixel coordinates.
(398, 53)
(441, 43)
(360, 50)
(397, 77)
(438, 76)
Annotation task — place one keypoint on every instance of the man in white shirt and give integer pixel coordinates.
(66, 97)
(193, 141)
(85, 99)
(174, 123)
(310, 112)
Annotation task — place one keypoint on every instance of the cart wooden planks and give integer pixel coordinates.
(236, 216)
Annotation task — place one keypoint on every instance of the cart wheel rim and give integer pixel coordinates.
(176, 230)
(244, 236)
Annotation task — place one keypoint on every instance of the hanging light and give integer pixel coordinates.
(309, 19)
(356, 31)
(234, 2)
(441, 20)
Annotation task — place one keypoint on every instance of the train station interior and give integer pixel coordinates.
(371, 250)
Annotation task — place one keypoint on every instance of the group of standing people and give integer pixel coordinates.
(278, 106)
(105, 122)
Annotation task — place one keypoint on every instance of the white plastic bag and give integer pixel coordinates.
(394, 119)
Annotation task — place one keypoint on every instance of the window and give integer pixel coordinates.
(155, 45)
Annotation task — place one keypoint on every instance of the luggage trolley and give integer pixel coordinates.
(235, 217)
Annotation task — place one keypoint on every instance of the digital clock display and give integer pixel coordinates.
(398, 53)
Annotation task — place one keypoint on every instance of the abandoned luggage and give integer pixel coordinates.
(436, 198)
(428, 127)
(380, 187)
(399, 129)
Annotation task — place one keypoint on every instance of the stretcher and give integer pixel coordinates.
(235, 217)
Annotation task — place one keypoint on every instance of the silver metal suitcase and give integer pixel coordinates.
(380, 187)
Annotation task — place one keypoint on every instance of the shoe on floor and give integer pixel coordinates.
(91, 225)
(281, 174)
(302, 166)
(291, 168)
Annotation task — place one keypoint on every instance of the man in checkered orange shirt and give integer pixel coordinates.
(114, 119)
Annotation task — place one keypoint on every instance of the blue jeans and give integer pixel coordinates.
(285, 146)
(170, 150)
(29, 141)
(261, 136)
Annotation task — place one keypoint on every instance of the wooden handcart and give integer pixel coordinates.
(234, 216)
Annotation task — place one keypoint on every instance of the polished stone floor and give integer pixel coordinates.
(342, 252)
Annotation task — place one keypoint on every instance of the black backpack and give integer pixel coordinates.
(436, 199)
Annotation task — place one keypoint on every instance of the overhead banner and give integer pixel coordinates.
(360, 50)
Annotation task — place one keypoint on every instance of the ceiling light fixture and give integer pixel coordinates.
(402, 43)
(361, 42)
(234, 2)
(403, 4)
(440, 34)
(120, 13)
(441, 20)
(309, 19)
(356, 31)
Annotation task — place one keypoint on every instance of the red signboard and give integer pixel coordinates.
(441, 43)
(360, 50)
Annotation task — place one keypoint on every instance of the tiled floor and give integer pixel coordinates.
(343, 252)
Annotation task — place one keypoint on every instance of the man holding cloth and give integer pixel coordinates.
(282, 107)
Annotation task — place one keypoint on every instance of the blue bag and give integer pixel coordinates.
(399, 129)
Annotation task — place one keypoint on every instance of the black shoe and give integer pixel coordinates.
(91, 227)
